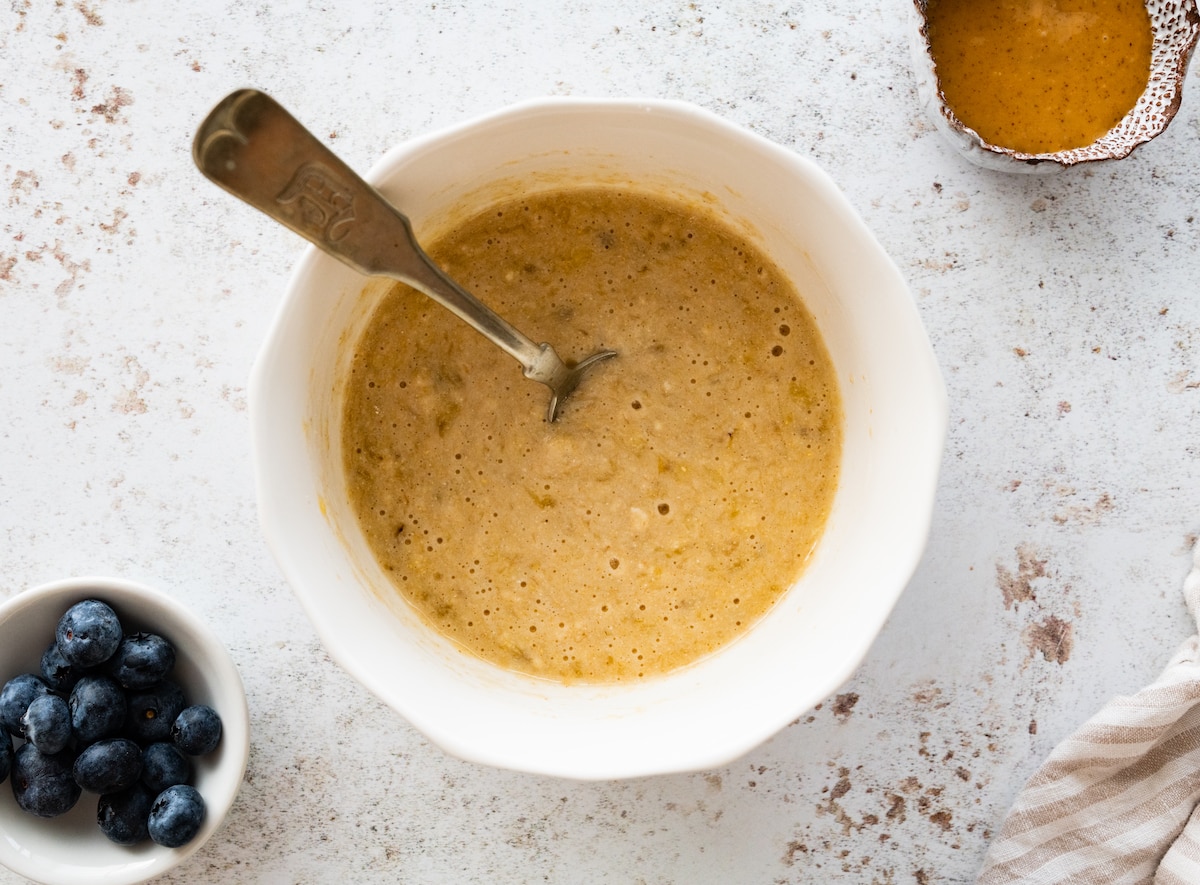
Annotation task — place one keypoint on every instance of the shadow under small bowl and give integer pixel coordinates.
(710, 712)
(1175, 25)
(71, 850)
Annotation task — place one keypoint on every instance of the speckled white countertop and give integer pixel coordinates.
(1065, 311)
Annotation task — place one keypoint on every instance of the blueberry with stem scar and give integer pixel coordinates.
(152, 711)
(123, 816)
(88, 633)
(176, 816)
(141, 660)
(59, 673)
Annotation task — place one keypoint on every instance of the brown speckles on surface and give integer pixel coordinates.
(1017, 588)
(939, 807)
(943, 819)
(946, 262)
(832, 804)
(69, 365)
(110, 109)
(71, 266)
(842, 787)
(843, 705)
(1182, 382)
(1053, 637)
(929, 694)
(89, 14)
(235, 396)
(79, 78)
(114, 226)
(1044, 632)
(24, 183)
(129, 400)
(1086, 514)
(792, 851)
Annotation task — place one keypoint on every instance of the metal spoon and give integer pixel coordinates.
(257, 151)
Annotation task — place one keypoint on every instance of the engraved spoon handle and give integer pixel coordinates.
(256, 150)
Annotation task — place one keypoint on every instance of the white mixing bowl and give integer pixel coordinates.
(700, 716)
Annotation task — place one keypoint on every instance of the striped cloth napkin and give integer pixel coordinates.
(1117, 801)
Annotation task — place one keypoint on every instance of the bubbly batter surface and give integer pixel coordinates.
(683, 488)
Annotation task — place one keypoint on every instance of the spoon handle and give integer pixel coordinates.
(256, 150)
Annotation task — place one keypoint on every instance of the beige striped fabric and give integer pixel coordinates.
(1116, 802)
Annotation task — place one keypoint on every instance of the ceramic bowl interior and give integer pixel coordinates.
(70, 849)
(1176, 26)
(700, 716)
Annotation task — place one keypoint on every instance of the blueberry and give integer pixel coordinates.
(197, 730)
(97, 708)
(57, 672)
(141, 660)
(6, 755)
(42, 784)
(108, 766)
(176, 816)
(122, 816)
(152, 711)
(164, 765)
(88, 633)
(16, 696)
(47, 723)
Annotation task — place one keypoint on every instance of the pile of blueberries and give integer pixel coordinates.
(104, 717)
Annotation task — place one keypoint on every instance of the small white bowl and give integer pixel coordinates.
(1176, 27)
(700, 716)
(71, 850)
